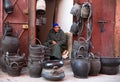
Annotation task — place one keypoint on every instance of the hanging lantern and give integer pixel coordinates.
(8, 6)
(41, 7)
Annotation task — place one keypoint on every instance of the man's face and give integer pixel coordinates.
(56, 28)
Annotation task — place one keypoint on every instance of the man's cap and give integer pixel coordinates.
(55, 24)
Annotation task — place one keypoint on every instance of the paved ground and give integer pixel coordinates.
(24, 77)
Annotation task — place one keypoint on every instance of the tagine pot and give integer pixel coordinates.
(109, 65)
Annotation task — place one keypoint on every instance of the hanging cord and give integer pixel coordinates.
(89, 27)
(80, 25)
(89, 23)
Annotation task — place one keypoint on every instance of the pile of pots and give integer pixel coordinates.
(12, 63)
(38, 54)
(36, 57)
(11, 60)
(39, 63)
(83, 66)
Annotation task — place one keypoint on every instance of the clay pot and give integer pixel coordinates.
(35, 68)
(75, 11)
(10, 44)
(51, 63)
(53, 75)
(109, 70)
(80, 67)
(110, 61)
(13, 69)
(95, 65)
(109, 65)
(14, 64)
(74, 28)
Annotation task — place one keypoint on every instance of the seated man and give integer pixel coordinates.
(56, 40)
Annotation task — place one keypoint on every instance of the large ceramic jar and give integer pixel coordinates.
(10, 44)
(80, 67)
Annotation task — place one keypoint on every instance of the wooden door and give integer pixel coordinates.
(18, 20)
(103, 11)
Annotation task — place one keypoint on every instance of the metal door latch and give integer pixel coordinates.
(102, 22)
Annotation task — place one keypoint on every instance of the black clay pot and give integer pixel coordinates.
(8, 6)
(95, 65)
(35, 69)
(52, 63)
(80, 67)
(110, 65)
(110, 61)
(53, 75)
(74, 28)
(10, 44)
(14, 64)
(109, 70)
(13, 69)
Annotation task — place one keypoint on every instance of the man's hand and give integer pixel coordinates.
(54, 42)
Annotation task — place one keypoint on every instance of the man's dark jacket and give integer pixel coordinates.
(60, 38)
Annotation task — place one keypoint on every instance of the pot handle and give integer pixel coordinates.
(16, 65)
(7, 58)
(4, 35)
(38, 41)
(79, 57)
(79, 48)
(91, 55)
(82, 38)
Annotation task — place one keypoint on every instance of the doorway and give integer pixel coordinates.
(56, 11)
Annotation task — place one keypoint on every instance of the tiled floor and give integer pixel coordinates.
(24, 77)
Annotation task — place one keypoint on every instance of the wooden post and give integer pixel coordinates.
(32, 21)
